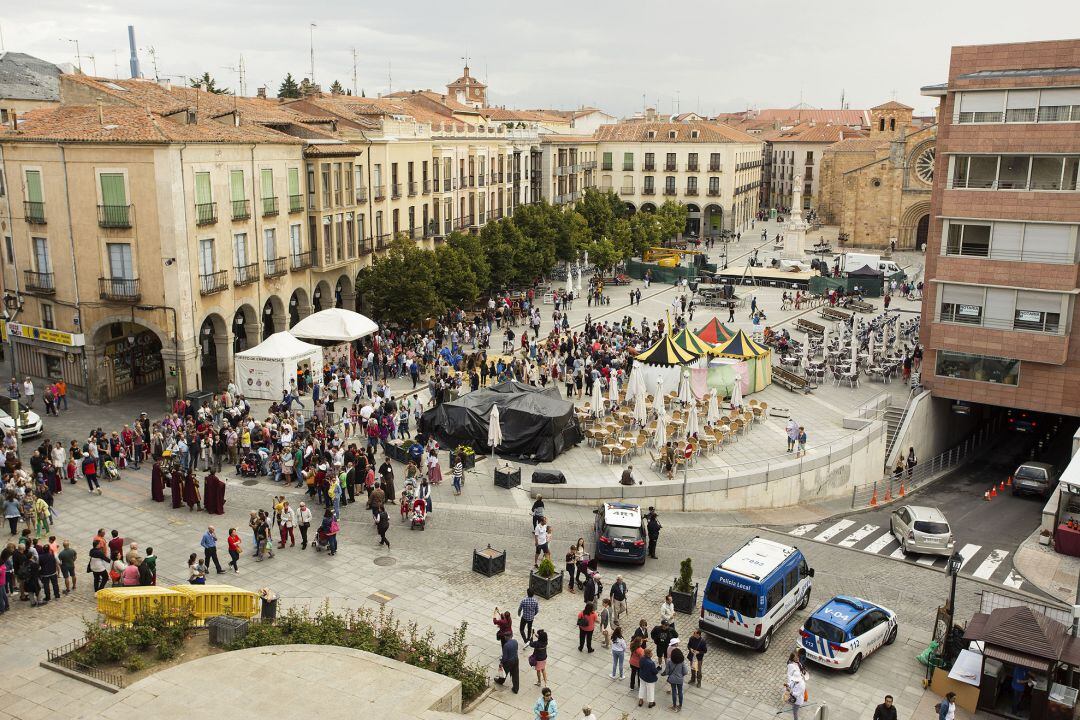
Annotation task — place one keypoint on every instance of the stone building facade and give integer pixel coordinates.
(877, 188)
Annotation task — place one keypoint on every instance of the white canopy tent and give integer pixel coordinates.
(264, 371)
(334, 325)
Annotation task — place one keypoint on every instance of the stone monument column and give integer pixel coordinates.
(795, 230)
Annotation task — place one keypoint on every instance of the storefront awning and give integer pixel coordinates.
(1016, 658)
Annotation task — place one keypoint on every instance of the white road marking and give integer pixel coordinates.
(1014, 580)
(927, 559)
(898, 553)
(857, 536)
(967, 552)
(880, 543)
(990, 564)
(802, 530)
(834, 530)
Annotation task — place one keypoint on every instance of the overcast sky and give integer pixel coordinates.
(710, 56)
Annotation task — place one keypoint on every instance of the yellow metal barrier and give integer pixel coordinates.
(124, 604)
(207, 601)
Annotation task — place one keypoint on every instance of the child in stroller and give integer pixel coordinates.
(419, 514)
(248, 465)
(407, 496)
(110, 470)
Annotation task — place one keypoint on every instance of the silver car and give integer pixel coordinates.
(1036, 478)
(921, 529)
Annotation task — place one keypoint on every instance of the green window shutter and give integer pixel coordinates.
(294, 181)
(267, 183)
(33, 186)
(202, 188)
(112, 190)
(236, 185)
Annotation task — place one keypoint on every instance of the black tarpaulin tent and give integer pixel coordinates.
(537, 424)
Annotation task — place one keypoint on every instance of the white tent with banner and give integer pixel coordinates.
(264, 371)
(334, 329)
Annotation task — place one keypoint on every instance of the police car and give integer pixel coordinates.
(843, 631)
(620, 533)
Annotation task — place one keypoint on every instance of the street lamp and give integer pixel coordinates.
(952, 569)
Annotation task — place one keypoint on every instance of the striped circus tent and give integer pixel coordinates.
(758, 359)
(666, 353)
(687, 340)
(715, 332)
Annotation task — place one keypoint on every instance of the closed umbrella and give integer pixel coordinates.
(684, 387)
(854, 350)
(641, 410)
(579, 277)
(870, 347)
(613, 392)
(597, 396)
(736, 393)
(660, 437)
(658, 399)
(714, 409)
(569, 279)
(806, 354)
(495, 436)
(693, 424)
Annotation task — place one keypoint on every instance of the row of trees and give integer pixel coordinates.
(409, 283)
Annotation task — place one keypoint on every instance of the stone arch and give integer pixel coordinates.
(359, 300)
(693, 220)
(631, 208)
(274, 317)
(921, 164)
(915, 220)
(713, 219)
(215, 356)
(323, 297)
(648, 207)
(299, 306)
(245, 328)
(125, 355)
(345, 293)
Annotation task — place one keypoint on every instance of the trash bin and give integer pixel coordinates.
(269, 604)
(199, 399)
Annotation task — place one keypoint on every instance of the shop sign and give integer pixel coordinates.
(32, 332)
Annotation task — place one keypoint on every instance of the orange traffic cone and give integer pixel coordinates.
(1001, 487)
(901, 488)
(1008, 483)
(986, 496)
(873, 499)
(888, 491)
(993, 491)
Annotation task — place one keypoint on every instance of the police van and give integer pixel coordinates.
(620, 533)
(753, 591)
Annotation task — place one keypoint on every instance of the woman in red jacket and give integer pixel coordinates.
(586, 622)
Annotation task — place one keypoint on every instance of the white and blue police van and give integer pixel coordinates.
(752, 592)
(843, 631)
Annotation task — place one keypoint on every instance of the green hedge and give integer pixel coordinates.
(381, 633)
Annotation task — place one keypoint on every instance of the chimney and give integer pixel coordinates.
(134, 60)
(260, 93)
(165, 83)
(100, 114)
(191, 117)
(14, 120)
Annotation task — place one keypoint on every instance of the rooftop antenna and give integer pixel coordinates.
(678, 102)
(354, 71)
(243, 77)
(841, 98)
(311, 49)
(116, 65)
(389, 78)
(133, 62)
(1, 38)
(153, 59)
(93, 63)
(78, 55)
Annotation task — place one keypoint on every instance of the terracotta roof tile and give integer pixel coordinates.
(639, 132)
(790, 116)
(892, 105)
(858, 144)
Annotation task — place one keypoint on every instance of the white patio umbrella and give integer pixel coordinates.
(495, 436)
(613, 393)
(714, 409)
(736, 394)
(597, 395)
(806, 354)
(569, 279)
(579, 277)
(870, 347)
(693, 424)
(658, 399)
(684, 387)
(854, 356)
(641, 410)
(660, 438)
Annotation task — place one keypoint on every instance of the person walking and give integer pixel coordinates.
(527, 610)
(696, 649)
(209, 546)
(286, 523)
(946, 709)
(647, 676)
(233, 541)
(99, 565)
(382, 524)
(67, 558)
(303, 517)
(675, 669)
(545, 707)
(329, 529)
(605, 622)
(796, 686)
(510, 664)
(792, 431)
(586, 622)
(637, 651)
(886, 710)
(539, 656)
(653, 529)
(618, 652)
(618, 599)
(667, 610)
(541, 538)
(801, 440)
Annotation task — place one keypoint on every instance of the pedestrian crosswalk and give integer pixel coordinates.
(976, 561)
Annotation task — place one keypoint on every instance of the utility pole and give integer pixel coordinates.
(354, 72)
(311, 49)
(93, 63)
(78, 55)
(243, 77)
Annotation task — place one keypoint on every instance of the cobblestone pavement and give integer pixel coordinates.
(430, 581)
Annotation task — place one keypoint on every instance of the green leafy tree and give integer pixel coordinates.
(472, 246)
(621, 239)
(601, 208)
(499, 253)
(207, 83)
(575, 236)
(603, 254)
(672, 217)
(400, 286)
(644, 232)
(289, 88)
(336, 89)
(455, 281)
(538, 227)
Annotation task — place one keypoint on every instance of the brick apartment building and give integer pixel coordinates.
(1001, 264)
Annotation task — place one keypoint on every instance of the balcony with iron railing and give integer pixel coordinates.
(383, 241)
(648, 167)
(715, 167)
(114, 216)
(119, 289)
(517, 177)
(365, 246)
(40, 282)
(361, 194)
(606, 167)
(463, 181)
(481, 217)
(296, 203)
(302, 260)
(447, 185)
(213, 282)
(275, 267)
(34, 212)
(270, 206)
(692, 167)
(671, 167)
(205, 213)
(481, 180)
(395, 191)
(241, 209)
(713, 192)
(691, 190)
(626, 190)
(464, 222)
(448, 226)
(590, 165)
(412, 188)
(426, 190)
(414, 233)
(472, 181)
(669, 191)
(378, 192)
(245, 274)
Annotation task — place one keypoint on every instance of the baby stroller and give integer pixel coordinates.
(111, 473)
(322, 540)
(419, 514)
(407, 496)
(248, 466)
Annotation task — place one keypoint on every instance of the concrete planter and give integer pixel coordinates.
(684, 602)
(546, 588)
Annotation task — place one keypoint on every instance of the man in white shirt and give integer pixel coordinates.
(541, 537)
(28, 392)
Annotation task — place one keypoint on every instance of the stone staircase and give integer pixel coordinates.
(894, 418)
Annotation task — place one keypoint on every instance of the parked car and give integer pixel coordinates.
(921, 529)
(29, 423)
(620, 533)
(845, 630)
(1035, 478)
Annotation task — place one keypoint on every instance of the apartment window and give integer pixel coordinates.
(337, 184)
(691, 185)
(339, 234)
(206, 256)
(41, 255)
(34, 192)
(1021, 106)
(3, 184)
(1015, 172)
(9, 250)
(981, 107)
(714, 186)
(360, 227)
(238, 194)
(240, 253)
(379, 223)
(962, 304)
(328, 238)
(692, 161)
(412, 218)
(47, 320)
(1059, 105)
(968, 239)
(714, 162)
(424, 171)
(120, 265)
(377, 175)
(672, 134)
(981, 368)
(649, 187)
(628, 161)
(650, 161)
(669, 185)
(204, 205)
(270, 243)
(311, 186)
(350, 234)
(396, 220)
(1038, 312)
(296, 240)
(325, 172)
(669, 162)
(606, 162)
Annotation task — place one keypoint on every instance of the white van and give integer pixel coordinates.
(854, 261)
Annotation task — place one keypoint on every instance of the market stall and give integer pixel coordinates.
(758, 359)
(715, 332)
(687, 340)
(664, 362)
(264, 371)
(1066, 528)
(334, 329)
